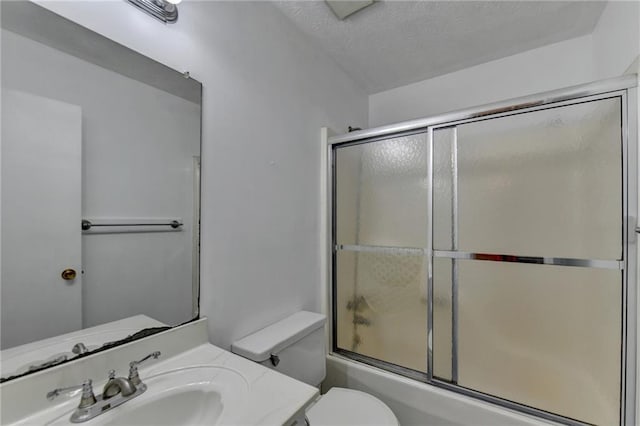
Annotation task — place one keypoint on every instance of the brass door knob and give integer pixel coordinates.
(68, 274)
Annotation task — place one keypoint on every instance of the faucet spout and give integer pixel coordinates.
(119, 385)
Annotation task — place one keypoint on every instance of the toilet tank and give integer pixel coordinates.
(294, 346)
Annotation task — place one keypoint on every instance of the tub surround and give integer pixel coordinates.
(271, 397)
(409, 398)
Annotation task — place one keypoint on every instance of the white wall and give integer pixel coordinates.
(550, 67)
(267, 93)
(129, 169)
(616, 38)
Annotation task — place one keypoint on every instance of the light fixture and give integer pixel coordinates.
(163, 10)
(344, 8)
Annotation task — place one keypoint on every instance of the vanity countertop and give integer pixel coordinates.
(257, 396)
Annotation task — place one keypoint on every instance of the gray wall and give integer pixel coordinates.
(267, 93)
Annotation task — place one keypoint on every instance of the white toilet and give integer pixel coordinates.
(295, 346)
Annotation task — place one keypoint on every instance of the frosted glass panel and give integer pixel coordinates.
(545, 183)
(381, 196)
(544, 336)
(444, 141)
(442, 320)
(381, 307)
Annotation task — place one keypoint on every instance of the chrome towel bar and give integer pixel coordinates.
(86, 224)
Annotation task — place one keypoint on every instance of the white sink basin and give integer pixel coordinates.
(185, 396)
(191, 406)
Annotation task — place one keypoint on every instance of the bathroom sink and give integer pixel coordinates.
(186, 396)
(191, 406)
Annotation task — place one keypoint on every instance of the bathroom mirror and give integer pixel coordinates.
(100, 192)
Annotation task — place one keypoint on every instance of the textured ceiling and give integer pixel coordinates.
(394, 43)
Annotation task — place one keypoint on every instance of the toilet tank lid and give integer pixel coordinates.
(272, 339)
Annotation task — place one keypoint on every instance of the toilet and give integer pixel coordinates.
(295, 346)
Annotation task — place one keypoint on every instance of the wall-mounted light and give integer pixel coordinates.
(164, 10)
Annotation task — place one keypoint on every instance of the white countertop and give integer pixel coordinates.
(271, 398)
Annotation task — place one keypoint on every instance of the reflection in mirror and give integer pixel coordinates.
(100, 192)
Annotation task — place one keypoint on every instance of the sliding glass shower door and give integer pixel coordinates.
(487, 256)
(528, 257)
(381, 235)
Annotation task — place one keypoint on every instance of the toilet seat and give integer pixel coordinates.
(350, 407)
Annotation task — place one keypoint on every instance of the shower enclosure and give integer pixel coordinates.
(492, 252)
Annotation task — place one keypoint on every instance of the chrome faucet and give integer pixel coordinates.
(134, 377)
(87, 399)
(116, 391)
(117, 385)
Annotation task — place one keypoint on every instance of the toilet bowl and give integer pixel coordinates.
(341, 406)
(295, 346)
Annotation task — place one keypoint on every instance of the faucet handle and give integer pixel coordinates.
(134, 377)
(87, 399)
(79, 348)
(153, 355)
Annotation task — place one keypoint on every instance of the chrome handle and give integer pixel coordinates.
(87, 399)
(153, 355)
(57, 392)
(134, 377)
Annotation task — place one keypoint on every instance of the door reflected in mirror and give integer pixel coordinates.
(100, 192)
